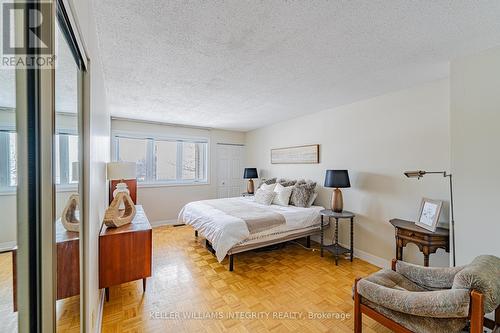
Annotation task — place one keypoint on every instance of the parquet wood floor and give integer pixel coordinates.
(67, 310)
(286, 284)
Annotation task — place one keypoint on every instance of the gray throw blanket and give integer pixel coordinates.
(256, 218)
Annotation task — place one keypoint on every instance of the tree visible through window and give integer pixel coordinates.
(164, 160)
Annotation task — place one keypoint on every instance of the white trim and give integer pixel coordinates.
(12, 190)
(100, 310)
(372, 259)
(155, 224)
(7, 246)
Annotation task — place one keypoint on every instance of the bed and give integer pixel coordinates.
(235, 225)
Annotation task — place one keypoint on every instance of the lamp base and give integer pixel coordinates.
(337, 201)
(121, 187)
(250, 187)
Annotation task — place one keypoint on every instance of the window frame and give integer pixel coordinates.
(150, 157)
(64, 167)
(5, 187)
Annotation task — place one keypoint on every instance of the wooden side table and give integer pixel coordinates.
(335, 248)
(125, 253)
(427, 241)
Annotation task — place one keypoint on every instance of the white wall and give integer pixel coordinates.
(98, 141)
(8, 223)
(163, 203)
(376, 140)
(475, 158)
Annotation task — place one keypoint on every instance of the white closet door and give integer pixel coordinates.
(230, 167)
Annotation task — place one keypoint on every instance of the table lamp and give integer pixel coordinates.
(337, 179)
(121, 171)
(249, 174)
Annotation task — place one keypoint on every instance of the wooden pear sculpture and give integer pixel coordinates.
(68, 218)
(114, 217)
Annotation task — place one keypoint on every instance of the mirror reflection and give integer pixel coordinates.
(8, 183)
(66, 179)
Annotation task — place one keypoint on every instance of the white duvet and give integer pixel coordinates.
(225, 231)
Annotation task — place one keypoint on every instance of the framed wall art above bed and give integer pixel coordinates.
(308, 154)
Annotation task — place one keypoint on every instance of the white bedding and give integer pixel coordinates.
(225, 231)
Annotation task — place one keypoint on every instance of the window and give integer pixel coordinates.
(66, 160)
(8, 160)
(167, 161)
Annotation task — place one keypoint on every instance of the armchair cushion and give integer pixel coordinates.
(431, 278)
(395, 292)
(483, 275)
(420, 324)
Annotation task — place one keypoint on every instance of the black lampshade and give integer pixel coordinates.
(337, 178)
(250, 173)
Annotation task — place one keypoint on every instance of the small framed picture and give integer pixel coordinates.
(429, 214)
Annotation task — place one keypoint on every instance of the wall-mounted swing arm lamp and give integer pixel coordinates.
(419, 174)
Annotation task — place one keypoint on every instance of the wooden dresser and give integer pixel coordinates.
(125, 253)
(68, 264)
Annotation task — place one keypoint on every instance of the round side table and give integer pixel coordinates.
(335, 248)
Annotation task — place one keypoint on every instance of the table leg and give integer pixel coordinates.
(321, 237)
(106, 293)
(352, 238)
(144, 285)
(336, 241)
(399, 249)
(426, 260)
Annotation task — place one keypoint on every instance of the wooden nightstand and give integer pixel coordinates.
(125, 253)
(336, 249)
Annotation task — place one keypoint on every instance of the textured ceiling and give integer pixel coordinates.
(246, 64)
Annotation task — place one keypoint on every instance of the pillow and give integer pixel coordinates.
(283, 194)
(266, 187)
(268, 182)
(264, 197)
(311, 200)
(286, 182)
(301, 194)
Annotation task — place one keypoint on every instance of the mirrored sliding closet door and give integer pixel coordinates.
(41, 142)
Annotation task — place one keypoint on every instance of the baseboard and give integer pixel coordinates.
(7, 246)
(370, 258)
(100, 311)
(164, 222)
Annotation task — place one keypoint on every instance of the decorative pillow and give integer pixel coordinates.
(301, 194)
(266, 187)
(311, 200)
(264, 197)
(286, 182)
(283, 194)
(268, 182)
